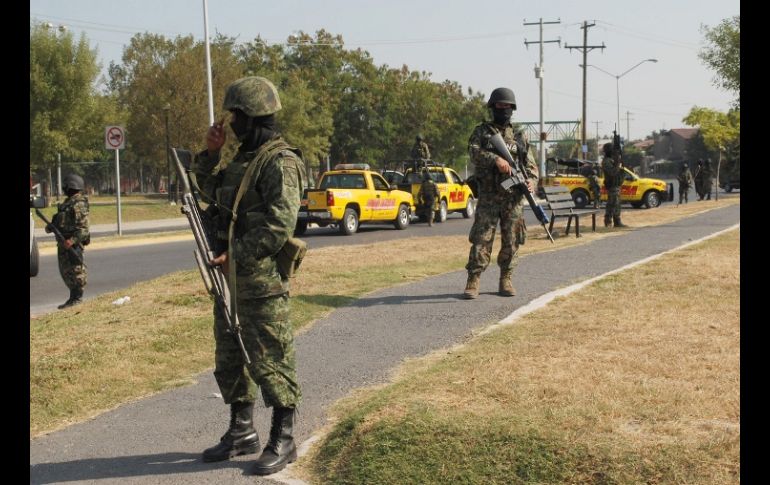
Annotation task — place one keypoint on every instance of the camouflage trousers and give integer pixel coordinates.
(613, 203)
(683, 192)
(269, 340)
(593, 183)
(74, 274)
(513, 233)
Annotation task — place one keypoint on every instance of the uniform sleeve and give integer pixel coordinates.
(533, 172)
(82, 231)
(280, 185)
(206, 170)
(480, 156)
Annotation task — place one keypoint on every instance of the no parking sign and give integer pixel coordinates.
(114, 138)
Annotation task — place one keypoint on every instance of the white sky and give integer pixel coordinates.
(477, 44)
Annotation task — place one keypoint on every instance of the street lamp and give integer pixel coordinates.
(166, 109)
(617, 82)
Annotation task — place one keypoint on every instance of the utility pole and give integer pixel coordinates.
(539, 71)
(628, 125)
(58, 176)
(585, 48)
(597, 123)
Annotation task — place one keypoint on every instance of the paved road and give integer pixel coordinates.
(159, 439)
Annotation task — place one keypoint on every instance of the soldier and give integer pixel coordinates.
(588, 170)
(685, 182)
(495, 204)
(707, 179)
(427, 196)
(72, 221)
(698, 179)
(612, 167)
(420, 149)
(268, 198)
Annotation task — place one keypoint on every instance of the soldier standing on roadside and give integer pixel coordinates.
(495, 204)
(266, 198)
(613, 179)
(427, 196)
(698, 179)
(685, 182)
(707, 179)
(72, 221)
(588, 170)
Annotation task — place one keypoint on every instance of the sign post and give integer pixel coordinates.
(115, 139)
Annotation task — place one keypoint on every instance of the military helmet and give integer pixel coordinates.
(685, 165)
(254, 95)
(501, 95)
(607, 148)
(419, 137)
(73, 181)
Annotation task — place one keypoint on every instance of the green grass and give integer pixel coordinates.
(103, 210)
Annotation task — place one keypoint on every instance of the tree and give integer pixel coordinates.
(66, 115)
(723, 54)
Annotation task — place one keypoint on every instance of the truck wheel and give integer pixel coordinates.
(651, 199)
(442, 212)
(470, 208)
(580, 198)
(402, 220)
(300, 228)
(349, 222)
(34, 259)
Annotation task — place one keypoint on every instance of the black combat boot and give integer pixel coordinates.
(240, 439)
(74, 299)
(280, 450)
(607, 221)
(616, 221)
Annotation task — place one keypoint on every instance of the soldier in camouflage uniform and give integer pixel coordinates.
(266, 217)
(427, 197)
(685, 182)
(588, 171)
(420, 149)
(72, 221)
(613, 179)
(707, 179)
(495, 204)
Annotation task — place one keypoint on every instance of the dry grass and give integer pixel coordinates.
(590, 389)
(95, 356)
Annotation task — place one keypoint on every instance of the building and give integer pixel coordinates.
(672, 144)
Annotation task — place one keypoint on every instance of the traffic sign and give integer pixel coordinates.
(114, 138)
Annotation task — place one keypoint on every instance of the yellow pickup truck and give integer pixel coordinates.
(635, 190)
(351, 194)
(455, 194)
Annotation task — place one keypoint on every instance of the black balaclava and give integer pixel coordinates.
(253, 132)
(70, 192)
(502, 115)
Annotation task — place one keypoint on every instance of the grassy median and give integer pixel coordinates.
(636, 388)
(97, 355)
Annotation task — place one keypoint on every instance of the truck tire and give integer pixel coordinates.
(652, 199)
(34, 259)
(402, 219)
(349, 222)
(441, 213)
(580, 198)
(300, 228)
(470, 208)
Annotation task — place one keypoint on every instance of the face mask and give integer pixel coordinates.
(502, 115)
(241, 126)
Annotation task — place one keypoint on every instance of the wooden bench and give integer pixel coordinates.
(561, 205)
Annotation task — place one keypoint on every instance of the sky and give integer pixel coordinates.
(480, 45)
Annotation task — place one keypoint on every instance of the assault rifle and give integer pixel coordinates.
(518, 178)
(59, 236)
(213, 277)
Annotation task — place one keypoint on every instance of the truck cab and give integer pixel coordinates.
(455, 193)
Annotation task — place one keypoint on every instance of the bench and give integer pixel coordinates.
(561, 205)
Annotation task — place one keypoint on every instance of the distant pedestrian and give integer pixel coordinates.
(612, 166)
(708, 181)
(698, 179)
(427, 197)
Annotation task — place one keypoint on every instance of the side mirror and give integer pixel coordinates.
(37, 202)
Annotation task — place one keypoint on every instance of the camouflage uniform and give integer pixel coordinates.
(267, 215)
(589, 172)
(685, 182)
(613, 179)
(72, 220)
(428, 196)
(420, 150)
(707, 180)
(495, 204)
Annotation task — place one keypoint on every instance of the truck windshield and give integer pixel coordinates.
(343, 181)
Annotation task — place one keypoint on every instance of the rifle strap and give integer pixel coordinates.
(265, 153)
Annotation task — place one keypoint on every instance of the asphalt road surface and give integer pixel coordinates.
(159, 439)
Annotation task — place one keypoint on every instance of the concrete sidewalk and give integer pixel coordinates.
(138, 227)
(159, 439)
